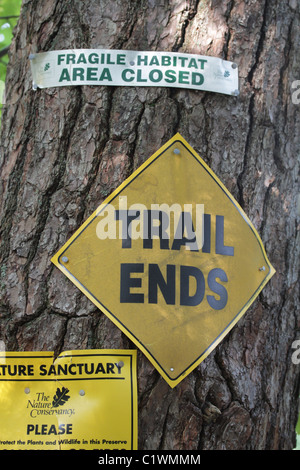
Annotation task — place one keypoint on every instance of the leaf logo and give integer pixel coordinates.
(60, 397)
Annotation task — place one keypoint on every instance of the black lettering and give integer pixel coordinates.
(61, 429)
(44, 429)
(126, 217)
(89, 368)
(185, 225)
(127, 282)
(217, 273)
(69, 428)
(43, 369)
(110, 368)
(185, 273)
(52, 370)
(119, 366)
(207, 231)
(221, 249)
(151, 230)
(71, 371)
(30, 428)
(62, 369)
(12, 370)
(156, 280)
(22, 370)
(100, 368)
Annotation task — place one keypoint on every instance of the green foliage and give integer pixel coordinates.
(298, 434)
(9, 13)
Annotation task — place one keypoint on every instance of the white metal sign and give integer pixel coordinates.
(133, 68)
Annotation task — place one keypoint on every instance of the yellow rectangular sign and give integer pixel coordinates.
(80, 400)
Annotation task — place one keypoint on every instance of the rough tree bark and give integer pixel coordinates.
(63, 150)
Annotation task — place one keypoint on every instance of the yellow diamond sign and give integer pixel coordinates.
(171, 258)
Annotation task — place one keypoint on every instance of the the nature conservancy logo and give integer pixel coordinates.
(42, 404)
(61, 397)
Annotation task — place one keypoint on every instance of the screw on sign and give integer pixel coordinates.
(171, 258)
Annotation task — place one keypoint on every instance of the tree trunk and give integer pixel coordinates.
(63, 150)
